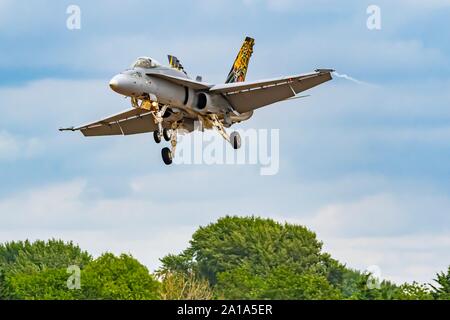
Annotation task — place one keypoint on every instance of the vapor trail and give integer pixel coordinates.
(347, 77)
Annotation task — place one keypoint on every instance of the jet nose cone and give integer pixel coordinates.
(125, 85)
(114, 83)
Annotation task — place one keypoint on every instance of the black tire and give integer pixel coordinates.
(167, 134)
(235, 140)
(157, 136)
(167, 156)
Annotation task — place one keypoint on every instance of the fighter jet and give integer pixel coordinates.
(167, 102)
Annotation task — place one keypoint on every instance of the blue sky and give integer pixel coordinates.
(366, 166)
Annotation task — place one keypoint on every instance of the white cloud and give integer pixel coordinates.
(431, 4)
(383, 214)
(8, 146)
(15, 147)
(275, 5)
(48, 104)
(400, 258)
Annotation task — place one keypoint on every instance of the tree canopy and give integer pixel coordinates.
(256, 258)
(26, 256)
(39, 270)
(233, 258)
(260, 243)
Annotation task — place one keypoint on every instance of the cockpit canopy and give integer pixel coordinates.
(145, 63)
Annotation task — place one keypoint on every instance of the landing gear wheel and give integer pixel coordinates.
(167, 134)
(167, 156)
(157, 136)
(235, 140)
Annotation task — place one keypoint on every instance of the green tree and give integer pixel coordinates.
(240, 283)
(441, 290)
(283, 283)
(38, 270)
(22, 262)
(26, 256)
(118, 278)
(413, 291)
(234, 258)
(386, 290)
(347, 280)
(280, 283)
(255, 258)
(49, 284)
(263, 243)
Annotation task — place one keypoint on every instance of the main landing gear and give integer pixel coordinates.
(166, 134)
(209, 122)
(212, 121)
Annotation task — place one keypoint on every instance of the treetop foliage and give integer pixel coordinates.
(233, 258)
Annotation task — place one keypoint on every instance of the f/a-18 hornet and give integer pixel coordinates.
(166, 101)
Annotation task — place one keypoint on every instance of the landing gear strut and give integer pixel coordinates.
(157, 113)
(212, 121)
(170, 135)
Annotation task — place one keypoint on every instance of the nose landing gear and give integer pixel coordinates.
(158, 111)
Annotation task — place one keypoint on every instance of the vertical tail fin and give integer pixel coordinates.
(175, 63)
(240, 66)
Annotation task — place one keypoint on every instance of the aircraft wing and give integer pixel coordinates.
(131, 121)
(248, 96)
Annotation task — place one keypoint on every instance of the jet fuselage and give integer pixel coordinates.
(139, 83)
